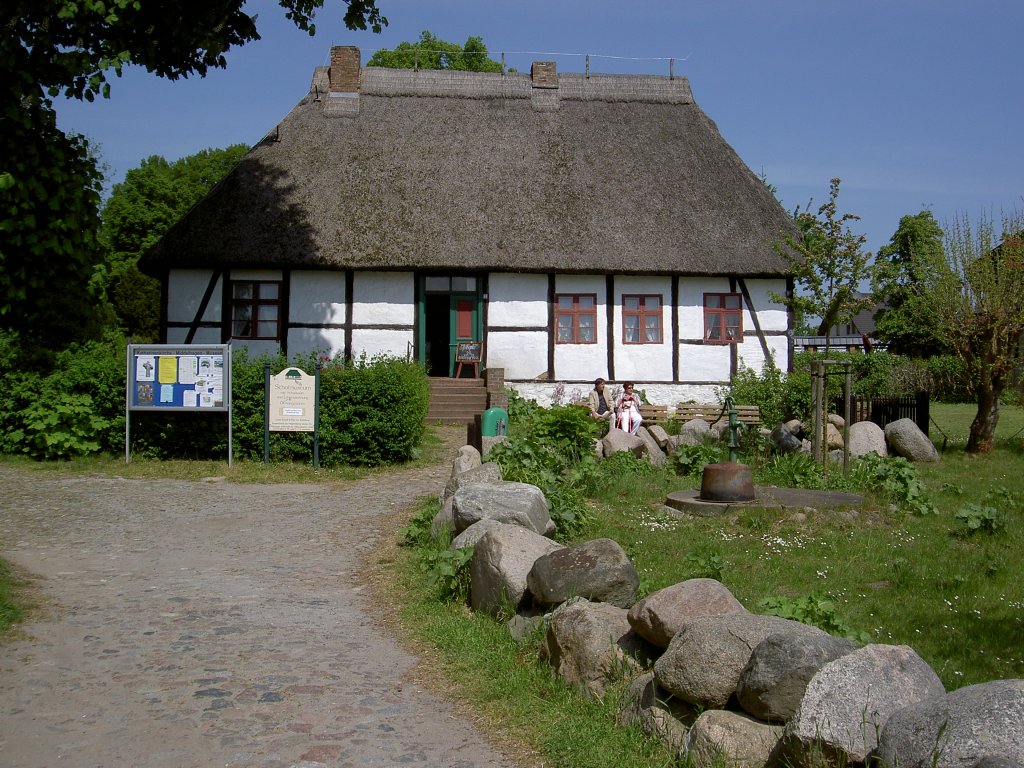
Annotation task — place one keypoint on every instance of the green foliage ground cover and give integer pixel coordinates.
(893, 572)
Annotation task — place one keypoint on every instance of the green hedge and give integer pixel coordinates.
(72, 403)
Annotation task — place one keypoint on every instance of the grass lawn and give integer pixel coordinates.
(887, 576)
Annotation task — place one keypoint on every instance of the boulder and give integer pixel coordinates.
(906, 439)
(526, 629)
(487, 442)
(833, 437)
(774, 680)
(652, 450)
(695, 428)
(784, 441)
(660, 615)
(443, 524)
(796, 427)
(978, 723)
(684, 438)
(727, 738)
(486, 474)
(473, 534)
(659, 434)
(848, 702)
(616, 440)
(836, 420)
(598, 570)
(501, 560)
(867, 437)
(836, 457)
(656, 712)
(467, 458)
(703, 663)
(513, 503)
(587, 644)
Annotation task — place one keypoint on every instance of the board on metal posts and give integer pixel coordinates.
(177, 377)
(291, 404)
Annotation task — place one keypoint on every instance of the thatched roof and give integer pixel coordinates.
(461, 171)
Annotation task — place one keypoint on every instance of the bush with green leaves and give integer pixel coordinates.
(980, 518)
(896, 479)
(691, 459)
(815, 609)
(447, 572)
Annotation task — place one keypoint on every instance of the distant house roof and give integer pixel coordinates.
(461, 171)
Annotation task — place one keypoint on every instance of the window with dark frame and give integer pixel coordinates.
(576, 318)
(641, 319)
(256, 309)
(723, 318)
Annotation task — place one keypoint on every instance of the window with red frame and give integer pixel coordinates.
(256, 309)
(576, 318)
(641, 319)
(723, 318)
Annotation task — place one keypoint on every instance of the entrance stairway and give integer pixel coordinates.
(456, 400)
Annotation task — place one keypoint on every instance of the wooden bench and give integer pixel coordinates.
(746, 414)
(655, 414)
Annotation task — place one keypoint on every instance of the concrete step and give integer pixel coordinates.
(456, 400)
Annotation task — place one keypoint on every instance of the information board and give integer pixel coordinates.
(292, 401)
(181, 377)
(467, 352)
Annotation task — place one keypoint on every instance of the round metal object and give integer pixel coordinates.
(727, 481)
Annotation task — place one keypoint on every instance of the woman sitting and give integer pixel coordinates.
(627, 410)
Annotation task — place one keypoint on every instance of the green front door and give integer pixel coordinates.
(449, 313)
(464, 323)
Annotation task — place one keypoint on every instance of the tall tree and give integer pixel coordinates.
(976, 289)
(49, 185)
(430, 52)
(828, 263)
(140, 210)
(907, 322)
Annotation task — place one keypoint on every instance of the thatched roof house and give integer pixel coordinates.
(489, 175)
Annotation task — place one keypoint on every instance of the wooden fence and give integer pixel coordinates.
(883, 410)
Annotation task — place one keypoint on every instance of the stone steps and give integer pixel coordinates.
(456, 400)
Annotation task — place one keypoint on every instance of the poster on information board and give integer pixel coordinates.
(179, 377)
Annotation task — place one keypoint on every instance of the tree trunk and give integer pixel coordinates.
(983, 428)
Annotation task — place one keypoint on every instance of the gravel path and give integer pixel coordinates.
(212, 624)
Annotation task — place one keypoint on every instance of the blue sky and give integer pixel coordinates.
(913, 103)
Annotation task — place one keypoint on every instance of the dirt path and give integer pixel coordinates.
(212, 624)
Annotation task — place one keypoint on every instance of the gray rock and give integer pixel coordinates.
(784, 441)
(659, 434)
(467, 458)
(526, 629)
(836, 420)
(660, 615)
(796, 427)
(727, 738)
(652, 451)
(684, 438)
(598, 448)
(906, 439)
(656, 712)
(588, 644)
(836, 457)
(696, 427)
(513, 503)
(487, 442)
(501, 560)
(486, 474)
(867, 437)
(473, 534)
(848, 702)
(443, 525)
(597, 570)
(703, 663)
(833, 437)
(978, 723)
(774, 680)
(998, 762)
(616, 440)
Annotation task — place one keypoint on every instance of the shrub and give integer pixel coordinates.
(980, 518)
(779, 396)
(447, 572)
(896, 479)
(815, 609)
(691, 459)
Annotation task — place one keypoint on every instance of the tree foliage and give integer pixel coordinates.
(139, 211)
(828, 263)
(907, 322)
(430, 52)
(49, 183)
(976, 290)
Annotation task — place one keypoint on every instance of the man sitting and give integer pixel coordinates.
(600, 402)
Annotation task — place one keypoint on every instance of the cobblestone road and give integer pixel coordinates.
(211, 624)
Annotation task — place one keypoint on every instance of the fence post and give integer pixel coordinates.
(923, 414)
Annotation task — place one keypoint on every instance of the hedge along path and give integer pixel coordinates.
(209, 623)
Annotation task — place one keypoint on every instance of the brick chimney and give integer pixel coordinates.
(343, 75)
(544, 94)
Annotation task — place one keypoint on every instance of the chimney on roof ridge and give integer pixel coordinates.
(343, 76)
(543, 74)
(344, 71)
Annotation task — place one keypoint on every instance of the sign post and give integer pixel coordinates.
(292, 405)
(178, 377)
(468, 352)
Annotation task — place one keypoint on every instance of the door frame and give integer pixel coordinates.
(474, 294)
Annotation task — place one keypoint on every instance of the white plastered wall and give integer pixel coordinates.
(202, 336)
(585, 361)
(517, 301)
(185, 291)
(637, 362)
(317, 297)
(383, 298)
(329, 341)
(378, 341)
